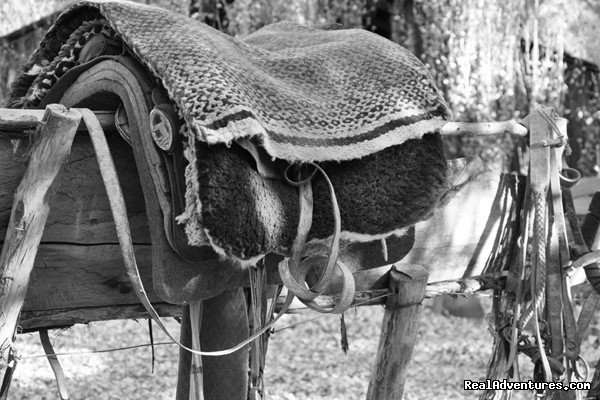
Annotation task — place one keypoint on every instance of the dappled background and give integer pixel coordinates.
(492, 59)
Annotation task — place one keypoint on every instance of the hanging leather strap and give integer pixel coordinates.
(293, 270)
(117, 205)
(554, 265)
(59, 375)
(540, 183)
(561, 301)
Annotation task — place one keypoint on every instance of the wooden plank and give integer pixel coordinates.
(377, 294)
(19, 120)
(29, 214)
(100, 290)
(32, 320)
(74, 276)
(398, 332)
(484, 128)
(79, 212)
(70, 276)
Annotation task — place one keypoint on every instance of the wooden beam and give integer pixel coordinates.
(466, 286)
(28, 216)
(511, 127)
(19, 120)
(67, 276)
(398, 332)
(79, 211)
(33, 320)
(378, 295)
(98, 292)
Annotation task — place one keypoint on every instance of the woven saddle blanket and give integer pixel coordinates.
(360, 105)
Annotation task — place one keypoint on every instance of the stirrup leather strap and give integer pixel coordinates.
(117, 205)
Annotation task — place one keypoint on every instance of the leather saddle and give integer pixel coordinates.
(250, 209)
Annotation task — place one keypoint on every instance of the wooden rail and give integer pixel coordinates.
(17, 119)
(372, 290)
(12, 120)
(483, 128)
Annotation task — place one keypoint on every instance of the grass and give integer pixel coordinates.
(304, 361)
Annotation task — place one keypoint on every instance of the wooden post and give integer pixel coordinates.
(28, 217)
(398, 332)
(196, 379)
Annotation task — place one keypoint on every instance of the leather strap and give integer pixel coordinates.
(59, 375)
(117, 205)
(562, 301)
(587, 312)
(540, 183)
(515, 283)
(293, 270)
(554, 275)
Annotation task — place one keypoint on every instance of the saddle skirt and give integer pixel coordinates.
(361, 106)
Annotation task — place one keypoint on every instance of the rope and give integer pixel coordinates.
(538, 277)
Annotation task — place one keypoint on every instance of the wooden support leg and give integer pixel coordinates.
(398, 332)
(28, 217)
(196, 381)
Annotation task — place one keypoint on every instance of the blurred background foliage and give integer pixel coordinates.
(492, 59)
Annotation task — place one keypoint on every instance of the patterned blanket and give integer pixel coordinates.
(308, 94)
(362, 106)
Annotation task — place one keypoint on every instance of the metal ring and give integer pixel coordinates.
(569, 177)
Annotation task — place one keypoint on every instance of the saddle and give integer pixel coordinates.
(244, 114)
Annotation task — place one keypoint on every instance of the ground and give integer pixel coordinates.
(304, 361)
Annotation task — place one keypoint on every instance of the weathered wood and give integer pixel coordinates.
(466, 286)
(196, 381)
(74, 276)
(70, 276)
(79, 212)
(484, 128)
(398, 332)
(29, 214)
(117, 302)
(19, 120)
(33, 320)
